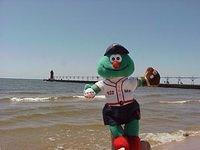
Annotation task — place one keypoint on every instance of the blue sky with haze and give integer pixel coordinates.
(70, 36)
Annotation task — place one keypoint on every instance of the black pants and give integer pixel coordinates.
(117, 115)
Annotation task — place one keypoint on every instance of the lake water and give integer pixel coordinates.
(49, 115)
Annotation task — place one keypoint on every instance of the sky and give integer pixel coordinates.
(70, 36)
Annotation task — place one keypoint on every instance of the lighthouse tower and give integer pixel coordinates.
(51, 75)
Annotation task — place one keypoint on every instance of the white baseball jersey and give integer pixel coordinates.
(118, 90)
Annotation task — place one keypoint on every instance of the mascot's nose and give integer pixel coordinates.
(116, 64)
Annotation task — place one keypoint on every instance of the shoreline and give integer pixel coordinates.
(189, 143)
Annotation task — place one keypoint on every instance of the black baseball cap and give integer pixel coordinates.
(116, 49)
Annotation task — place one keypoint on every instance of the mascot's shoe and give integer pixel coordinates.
(134, 143)
(120, 143)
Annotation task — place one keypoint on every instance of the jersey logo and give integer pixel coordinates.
(127, 91)
(110, 92)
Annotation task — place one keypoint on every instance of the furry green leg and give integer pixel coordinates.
(132, 131)
(116, 131)
(132, 128)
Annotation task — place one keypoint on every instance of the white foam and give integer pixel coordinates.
(78, 96)
(180, 102)
(162, 138)
(193, 133)
(47, 99)
(172, 102)
(98, 96)
(31, 99)
(52, 139)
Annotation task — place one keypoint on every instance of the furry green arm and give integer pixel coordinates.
(96, 88)
(142, 82)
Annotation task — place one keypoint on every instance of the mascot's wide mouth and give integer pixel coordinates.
(115, 69)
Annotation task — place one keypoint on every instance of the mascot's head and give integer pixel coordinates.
(115, 63)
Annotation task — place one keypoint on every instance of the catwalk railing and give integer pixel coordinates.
(78, 78)
(181, 80)
(164, 80)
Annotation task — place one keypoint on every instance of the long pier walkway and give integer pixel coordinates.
(182, 82)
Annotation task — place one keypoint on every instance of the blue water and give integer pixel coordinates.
(39, 105)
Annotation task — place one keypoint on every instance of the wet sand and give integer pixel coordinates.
(190, 143)
(58, 137)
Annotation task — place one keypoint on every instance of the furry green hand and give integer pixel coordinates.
(89, 93)
(91, 90)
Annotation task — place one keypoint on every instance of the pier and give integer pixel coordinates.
(182, 86)
(182, 82)
(166, 82)
(76, 79)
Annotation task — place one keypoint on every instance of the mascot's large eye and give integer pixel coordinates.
(116, 57)
(112, 58)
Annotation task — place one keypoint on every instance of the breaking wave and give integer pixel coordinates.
(180, 102)
(30, 99)
(46, 99)
(161, 138)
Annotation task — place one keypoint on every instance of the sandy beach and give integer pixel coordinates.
(190, 143)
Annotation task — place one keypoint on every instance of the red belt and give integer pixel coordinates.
(121, 103)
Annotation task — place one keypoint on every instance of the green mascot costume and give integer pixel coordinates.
(121, 111)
